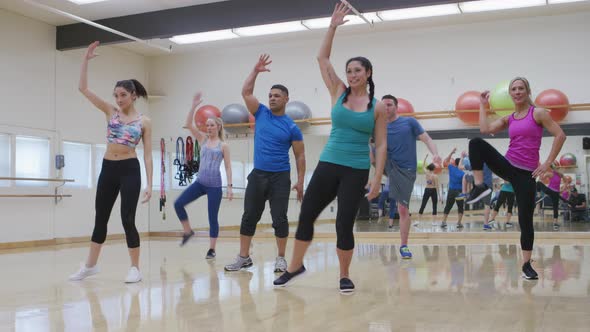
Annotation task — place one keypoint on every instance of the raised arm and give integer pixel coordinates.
(447, 160)
(332, 81)
(227, 163)
(98, 102)
(486, 127)
(248, 89)
(542, 117)
(424, 163)
(147, 157)
(190, 120)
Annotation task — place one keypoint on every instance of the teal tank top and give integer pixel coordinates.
(348, 144)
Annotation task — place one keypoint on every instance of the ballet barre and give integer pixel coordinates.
(56, 196)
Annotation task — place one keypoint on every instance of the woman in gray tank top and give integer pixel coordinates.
(213, 151)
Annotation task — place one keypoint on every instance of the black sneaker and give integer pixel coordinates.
(186, 237)
(478, 192)
(210, 254)
(346, 286)
(287, 277)
(528, 272)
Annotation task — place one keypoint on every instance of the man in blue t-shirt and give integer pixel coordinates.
(454, 195)
(275, 133)
(402, 133)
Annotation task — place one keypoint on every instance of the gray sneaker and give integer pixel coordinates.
(280, 264)
(240, 263)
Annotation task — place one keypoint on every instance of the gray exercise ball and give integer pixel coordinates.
(298, 110)
(234, 114)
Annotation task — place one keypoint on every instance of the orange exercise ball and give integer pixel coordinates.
(553, 97)
(468, 101)
(404, 106)
(205, 112)
(437, 168)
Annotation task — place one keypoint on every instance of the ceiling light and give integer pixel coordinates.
(416, 12)
(268, 29)
(486, 5)
(85, 2)
(563, 1)
(204, 37)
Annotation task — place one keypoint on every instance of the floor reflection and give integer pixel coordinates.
(444, 287)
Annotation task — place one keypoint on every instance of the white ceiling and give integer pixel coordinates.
(93, 11)
(115, 8)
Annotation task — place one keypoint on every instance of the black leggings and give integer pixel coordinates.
(115, 176)
(428, 193)
(328, 182)
(555, 197)
(505, 197)
(522, 180)
(452, 199)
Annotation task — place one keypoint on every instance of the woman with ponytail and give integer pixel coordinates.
(343, 169)
(520, 166)
(213, 151)
(120, 172)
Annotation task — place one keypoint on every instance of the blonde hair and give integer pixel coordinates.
(526, 85)
(219, 124)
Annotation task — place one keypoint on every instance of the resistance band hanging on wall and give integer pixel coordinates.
(180, 162)
(162, 179)
(192, 158)
(188, 171)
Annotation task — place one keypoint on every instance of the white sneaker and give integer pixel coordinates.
(133, 275)
(280, 265)
(84, 272)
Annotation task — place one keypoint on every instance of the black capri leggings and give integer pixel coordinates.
(429, 193)
(522, 180)
(328, 182)
(505, 197)
(115, 176)
(555, 197)
(452, 199)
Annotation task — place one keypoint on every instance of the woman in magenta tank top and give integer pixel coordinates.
(552, 190)
(521, 164)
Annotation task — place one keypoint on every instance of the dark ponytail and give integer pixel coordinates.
(371, 91)
(368, 67)
(346, 93)
(133, 86)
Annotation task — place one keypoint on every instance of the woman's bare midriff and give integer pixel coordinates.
(119, 152)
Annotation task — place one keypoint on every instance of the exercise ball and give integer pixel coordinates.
(420, 166)
(205, 112)
(500, 99)
(404, 106)
(235, 114)
(468, 101)
(298, 110)
(438, 168)
(553, 97)
(567, 159)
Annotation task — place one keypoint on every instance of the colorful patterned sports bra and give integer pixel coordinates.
(124, 133)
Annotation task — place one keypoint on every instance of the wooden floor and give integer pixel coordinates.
(445, 287)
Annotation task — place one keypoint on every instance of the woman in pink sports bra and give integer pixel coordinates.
(120, 172)
(521, 165)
